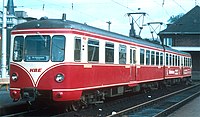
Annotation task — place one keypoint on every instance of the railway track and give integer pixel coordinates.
(161, 106)
(138, 103)
(155, 103)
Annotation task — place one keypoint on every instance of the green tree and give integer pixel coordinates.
(173, 18)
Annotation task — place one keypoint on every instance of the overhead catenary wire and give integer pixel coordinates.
(179, 5)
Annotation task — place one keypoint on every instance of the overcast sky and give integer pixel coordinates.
(98, 12)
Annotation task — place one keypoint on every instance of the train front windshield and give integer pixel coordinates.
(39, 48)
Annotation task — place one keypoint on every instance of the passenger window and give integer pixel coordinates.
(93, 50)
(147, 57)
(184, 61)
(141, 56)
(167, 60)
(109, 53)
(170, 59)
(157, 58)
(152, 58)
(122, 54)
(18, 48)
(132, 56)
(161, 59)
(77, 49)
(178, 61)
(173, 60)
(58, 48)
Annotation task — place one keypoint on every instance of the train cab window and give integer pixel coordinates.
(152, 58)
(122, 54)
(157, 58)
(167, 60)
(147, 57)
(161, 58)
(141, 56)
(58, 48)
(18, 48)
(37, 48)
(109, 52)
(93, 50)
(77, 49)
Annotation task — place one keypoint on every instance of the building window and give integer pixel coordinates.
(93, 50)
(147, 57)
(109, 52)
(141, 56)
(122, 54)
(168, 42)
(77, 49)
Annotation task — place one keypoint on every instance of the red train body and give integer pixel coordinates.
(68, 61)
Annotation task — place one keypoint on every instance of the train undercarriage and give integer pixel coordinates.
(100, 95)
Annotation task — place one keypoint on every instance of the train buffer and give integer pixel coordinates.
(4, 81)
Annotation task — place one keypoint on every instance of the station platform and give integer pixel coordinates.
(191, 109)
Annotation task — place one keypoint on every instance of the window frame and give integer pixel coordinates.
(95, 45)
(148, 55)
(122, 54)
(157, 58)
(142, 53)
(109, 50)
(19, 50)
(77, 50)
(52, 41)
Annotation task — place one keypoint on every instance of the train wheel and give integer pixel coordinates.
(76, 106)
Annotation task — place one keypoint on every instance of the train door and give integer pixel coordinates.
(133, 63)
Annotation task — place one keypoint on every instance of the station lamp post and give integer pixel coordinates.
(4, 34)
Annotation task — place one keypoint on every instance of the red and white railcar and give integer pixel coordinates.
(68, 61)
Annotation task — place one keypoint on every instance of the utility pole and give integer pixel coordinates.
(4, 34)
(108, 25)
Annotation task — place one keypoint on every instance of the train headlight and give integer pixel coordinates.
(14, 76)
(59, 78)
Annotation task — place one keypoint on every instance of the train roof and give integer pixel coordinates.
(59, 23)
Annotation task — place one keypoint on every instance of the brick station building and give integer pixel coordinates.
(184, 35)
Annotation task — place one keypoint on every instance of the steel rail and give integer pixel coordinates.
(135, 108)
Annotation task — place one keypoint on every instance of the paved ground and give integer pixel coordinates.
(5, 97)
(192, 109)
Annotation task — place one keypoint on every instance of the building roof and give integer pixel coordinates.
(10, 7)
(188, 24)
